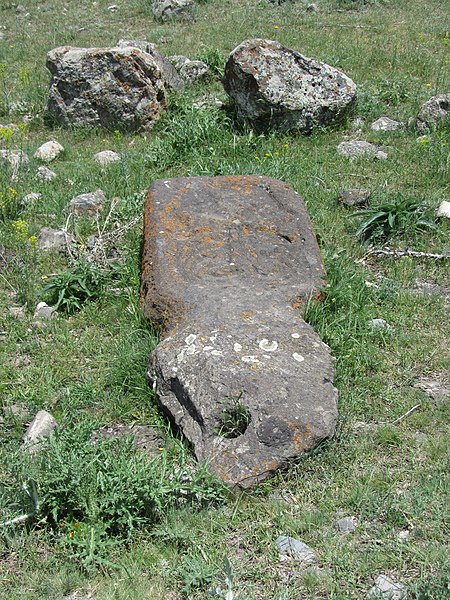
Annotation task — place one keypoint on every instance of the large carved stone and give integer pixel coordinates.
(276, 88)
(228, 263)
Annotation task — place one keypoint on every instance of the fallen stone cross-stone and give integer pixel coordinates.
(228, 262)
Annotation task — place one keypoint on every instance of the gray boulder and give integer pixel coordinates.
(168, 72)
(432, 113)
(274, 87)
(116, 88)
(167, 10)
(227, 264)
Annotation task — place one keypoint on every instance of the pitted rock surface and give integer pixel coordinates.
(116, 88)
(227, 264)
(274, 87)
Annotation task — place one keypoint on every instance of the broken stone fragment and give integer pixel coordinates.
(228, 263)
(361, 149)
(41, 427)
(354, 197)
(385, 124)
(386, 588)
(444, 209)
(190, 71)
(167, 10)
(52, 239)
(433, 113)
(295, 549)
(88, 204)
(45, 174)
(18, 312)
(49, 151)
(31, 198)
(347, 524)
(105, 157)
(276, 88)
(44, 311)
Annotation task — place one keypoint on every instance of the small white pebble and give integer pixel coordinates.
(298, 357)
(295, 335)
(237, 347)
(190, 339)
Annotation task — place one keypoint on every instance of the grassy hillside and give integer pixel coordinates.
(112, 524)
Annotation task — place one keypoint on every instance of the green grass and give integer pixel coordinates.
(138, 534)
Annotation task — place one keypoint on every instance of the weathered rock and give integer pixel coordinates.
(49, 151)
(52, 239)
(15, 159)
(31, 197)
(313, 7)
(385, 124)
(291, 548)
(274, 87)
(227, 262)
(432, 113)
(88, 204)
(168, 72)
(167, 10)
(146, 438)
(190, 71)
(354, 197)
(387, 589)
(443, 209)
(18, 312)
(43, 312)
(41, 427)
(45, 174)
(106, 156)
(347, 524)
(116, 88)
(380, 324)
(361, 149)
(438, 388)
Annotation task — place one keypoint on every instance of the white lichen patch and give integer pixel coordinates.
(298, 357)
(237, 347)
(295, 335)
(190, 339)
(268, 346)
(250, 359)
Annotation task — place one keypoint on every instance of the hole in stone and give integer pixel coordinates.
(286, 237)
(234, 418)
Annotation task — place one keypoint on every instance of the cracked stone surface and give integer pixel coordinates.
(228, 263)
